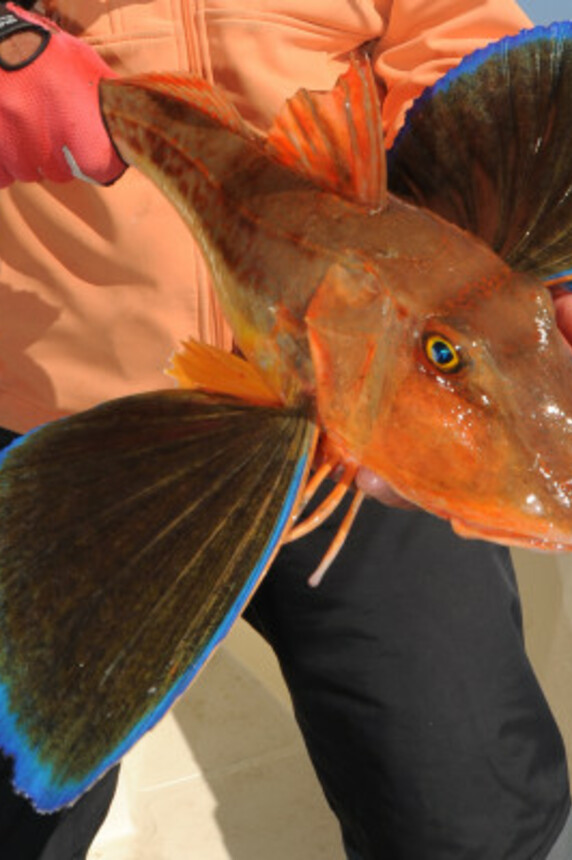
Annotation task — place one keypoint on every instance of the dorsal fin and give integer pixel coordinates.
(336, 138)
(488, 148)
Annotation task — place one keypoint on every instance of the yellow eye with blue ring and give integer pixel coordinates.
(442, 354)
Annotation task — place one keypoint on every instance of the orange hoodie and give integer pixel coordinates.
(99, 285)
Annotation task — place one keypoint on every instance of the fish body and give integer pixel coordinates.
(338, 291)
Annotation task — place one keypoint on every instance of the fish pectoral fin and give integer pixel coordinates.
(501, 115)
(336, 138)
(199, 366)
(131, 538)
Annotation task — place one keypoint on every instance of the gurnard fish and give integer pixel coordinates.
(400, 318)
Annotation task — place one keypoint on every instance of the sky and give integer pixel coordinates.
(547, 11)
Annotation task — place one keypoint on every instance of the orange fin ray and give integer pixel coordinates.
(201, 367)
(317, 480)
(336, 138)
(325, 509)
(339, 540)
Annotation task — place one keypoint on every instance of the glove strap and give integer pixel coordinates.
(10, 24)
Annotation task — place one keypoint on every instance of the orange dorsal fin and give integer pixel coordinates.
(203, 96)
(336, 138)
(199, 366)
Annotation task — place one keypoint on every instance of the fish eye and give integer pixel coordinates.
(442, 354)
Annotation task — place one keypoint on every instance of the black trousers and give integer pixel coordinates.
(427, 728)
(67, 835)
(411, 686)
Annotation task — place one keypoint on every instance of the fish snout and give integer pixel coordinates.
(532, 506)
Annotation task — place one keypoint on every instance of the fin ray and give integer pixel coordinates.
(336, 138)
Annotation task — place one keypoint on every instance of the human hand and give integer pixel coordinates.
(50, 119)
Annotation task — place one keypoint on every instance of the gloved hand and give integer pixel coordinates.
(50, 119)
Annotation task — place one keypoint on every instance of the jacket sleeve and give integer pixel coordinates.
(423, 40)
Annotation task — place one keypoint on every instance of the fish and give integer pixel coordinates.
(393, 330)
(390, 311)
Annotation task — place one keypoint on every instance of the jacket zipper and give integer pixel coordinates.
(196, 38)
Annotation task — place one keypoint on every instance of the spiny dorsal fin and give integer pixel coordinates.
(336, 137)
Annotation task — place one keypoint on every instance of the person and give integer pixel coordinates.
(407, 668)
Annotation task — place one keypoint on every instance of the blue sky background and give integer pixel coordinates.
(547, 11)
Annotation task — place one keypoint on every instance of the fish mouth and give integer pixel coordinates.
(508, 537)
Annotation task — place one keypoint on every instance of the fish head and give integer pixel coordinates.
(461, 398)
(490, 444)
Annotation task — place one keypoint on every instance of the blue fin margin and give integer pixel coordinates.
(37, 775)
(559, 31)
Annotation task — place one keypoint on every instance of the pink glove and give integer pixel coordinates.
(50, 120)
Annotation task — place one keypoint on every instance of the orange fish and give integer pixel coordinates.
(413, 346)
(412, 336)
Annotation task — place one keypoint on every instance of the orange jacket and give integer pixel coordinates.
(99, 285)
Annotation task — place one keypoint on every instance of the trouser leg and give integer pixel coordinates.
(410, 683)
(28, 835)
(23, 833)
(78, 826)
(562, 848)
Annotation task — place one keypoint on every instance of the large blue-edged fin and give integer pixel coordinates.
(131, 538)
(488, 147)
